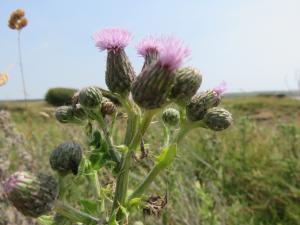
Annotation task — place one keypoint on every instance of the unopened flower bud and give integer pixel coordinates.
(151, 88)
(171, 117)
(64, 114)
(32, 194)
(217, 119)
(119, 73)
(66, 158)
(90, 97)
(200, 103)
(69, 114)
(187, 82)
(107, 107)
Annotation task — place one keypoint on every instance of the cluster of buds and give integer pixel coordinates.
(161, 82)
(17, 20)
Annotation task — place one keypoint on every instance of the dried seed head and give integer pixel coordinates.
(66, 158)
(17, 20)
(32, 194)
(154, 205)
(22, 23)
(217, 119)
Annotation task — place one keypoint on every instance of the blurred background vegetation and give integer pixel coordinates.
(249, 174)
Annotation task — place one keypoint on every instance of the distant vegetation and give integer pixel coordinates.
(59, 96)
(249, 175)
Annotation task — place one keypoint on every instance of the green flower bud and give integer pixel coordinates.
(119, 72)
(32, 194)
(200, 103)
(151, 88)
(107, 107)
(187, 82)
(90, 97)
(171, 117)
(69, 114)
(66, 158)
(217, 119)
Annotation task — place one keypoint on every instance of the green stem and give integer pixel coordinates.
(166, 135)
(113, 122)
(143, 127)
(122, 180)
(73, 214)
(96, 184)
(114, 154)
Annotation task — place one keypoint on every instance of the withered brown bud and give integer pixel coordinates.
(107, 107)
(22, 23)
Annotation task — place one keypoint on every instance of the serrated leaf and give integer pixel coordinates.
(113, 219)
(125, 213)
(135, 202)
(167, 155)
(89, 206)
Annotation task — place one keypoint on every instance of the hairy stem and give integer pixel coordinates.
(112, 151)
(73, 214)
(122, 179)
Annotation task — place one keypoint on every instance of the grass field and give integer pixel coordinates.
(249, 174)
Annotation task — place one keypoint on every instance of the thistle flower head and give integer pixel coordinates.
(148, 45)
(220, 89)
(172, 53)
(66, 158)
(112, 38)
(32, 194)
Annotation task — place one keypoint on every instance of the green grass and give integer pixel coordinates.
(249, 174)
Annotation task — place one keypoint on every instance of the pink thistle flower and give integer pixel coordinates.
(112, 38)
(148, 45)
(172, 53)
(220, 89)
(11, 182)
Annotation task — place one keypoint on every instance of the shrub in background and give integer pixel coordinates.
(59, 96)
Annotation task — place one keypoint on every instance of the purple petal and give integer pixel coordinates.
(147, 45)
(112, 38)
(172, 53)
(221, 88)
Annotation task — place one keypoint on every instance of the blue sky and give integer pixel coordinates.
(252, 45)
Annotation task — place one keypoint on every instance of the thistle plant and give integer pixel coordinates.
(163, 89)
